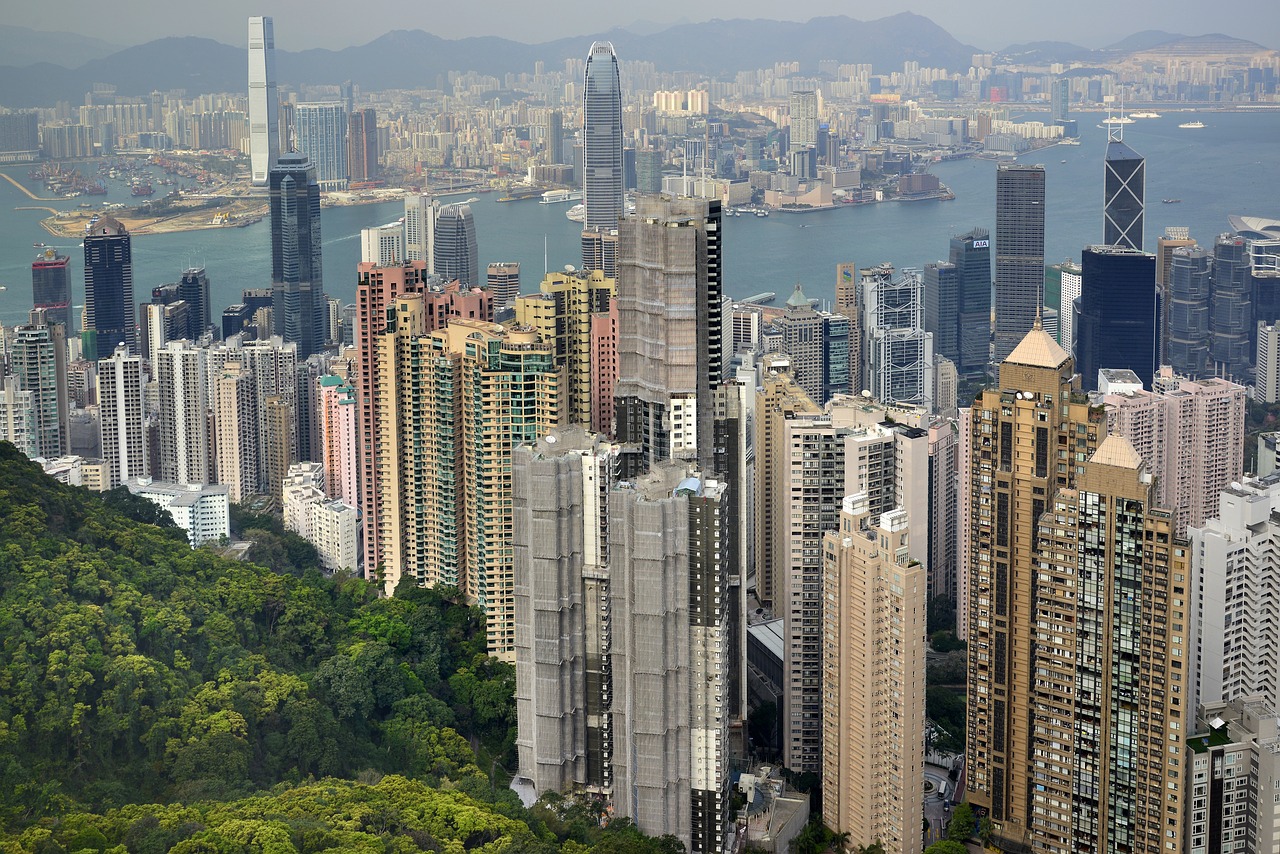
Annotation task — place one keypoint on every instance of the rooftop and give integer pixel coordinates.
(1115, 450)
(1038, 350)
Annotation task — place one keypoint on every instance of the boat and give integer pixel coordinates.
(38, 245)
(762, 213)
(1171, 201)
(1144, 114)
(1069, 141)
(515, 194)
(1117, 120)
(142, 188)
(1192, 125)
(1064, 161)
(555, 197)
(577, 213)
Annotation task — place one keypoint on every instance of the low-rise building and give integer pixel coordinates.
(203, 511)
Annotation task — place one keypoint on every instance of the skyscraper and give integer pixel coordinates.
(264, 132)
(182, 374)
(669, 326)
(1060, 99)
(504, 280)
(602, 139)
(454, 247)
(124, 437)
(898, 351)
(804, 120)
(108, 289)
(51, 287)
(420, 213)
(1124, 193)
(38, 359)
(1230, 314)
(1190, 288)
(322, 136)
(382, 245)
(297, 276)
(1069, 291)
(873, 642)
(1116, 322)
(235, 419)
(970, 254)
(1019, 253)
(362, 145)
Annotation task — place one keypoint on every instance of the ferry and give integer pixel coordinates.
(555, 197)
(577, 213)
(1171, 201)
(1145, 114)
(1117, 120)
(1192, 125)
(1069, 141)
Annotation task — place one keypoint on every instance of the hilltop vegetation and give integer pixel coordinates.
(155, 698)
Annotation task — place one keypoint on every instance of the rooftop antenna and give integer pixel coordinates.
(545, 268)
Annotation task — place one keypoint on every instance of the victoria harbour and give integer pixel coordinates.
(1229, 167)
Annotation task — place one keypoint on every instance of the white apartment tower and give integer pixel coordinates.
(182, 376)
(120, 410)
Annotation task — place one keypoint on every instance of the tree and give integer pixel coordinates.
(947, 846)
(962, 824)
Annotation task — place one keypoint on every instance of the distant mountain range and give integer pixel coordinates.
(1143, 43)
(413, 58)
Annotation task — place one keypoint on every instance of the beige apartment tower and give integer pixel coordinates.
(873, 692)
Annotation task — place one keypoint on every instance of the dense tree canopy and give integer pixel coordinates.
(135, 670)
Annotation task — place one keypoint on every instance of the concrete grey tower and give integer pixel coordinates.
(264, 132)
(1019, 253)
(1124, 192)
(297, 279)
(602, 139)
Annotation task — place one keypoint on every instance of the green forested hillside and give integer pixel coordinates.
(134, 670)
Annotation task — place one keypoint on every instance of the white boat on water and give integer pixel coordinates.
(1192, 125)
(555, 197)
(1117, 120)
(577, 213)
(1144, 114)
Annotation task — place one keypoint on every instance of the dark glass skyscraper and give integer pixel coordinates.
(1116, 324)
(1124, 194)
(108, 290)
(194, 288)
(1229, 310)
(51, 287)
(957, 307)
(1189, 288)
(299, 308)
(602, 139)
(1019, 253)
(941, 309)
(456, 256)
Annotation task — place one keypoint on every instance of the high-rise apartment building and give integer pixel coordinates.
(235, 417)
(339, 417)
(362, 145)
(1190, 287)
(38, 359)
(1232, 765)
(454, 246)
(297, 274)
(17, 416)
(382, 245)
(121, 417)
(322, 137)
(1124, 193)
(1267, 364)
(817, 343)
(1060, 99)
(186, 446)
(1107, 710)
(1029, 437)
(1116, 318)
(51, 287)
(1071, 284)
(1230, 314)
(562, 314)
(804, 119)
(873, 646)
(602, 139)
(1190, 434)
(420, 212)
(264, 131)
(604, 368)
(942, 565)
(670, 344)
(849, 303)
(504, 280)
(1019, 283)
(108, 289)
(899, 351)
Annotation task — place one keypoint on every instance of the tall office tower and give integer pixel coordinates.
(193, 288)
(561, 314)
(1115, 323)
(504, 280)
(17, 416)
(1267, 364)
(264, 130)
(1173, 238)
(602, 139)
(108, 290)
(51, 287)
(1019, 253)
(898, 351)
(1020, 433)
(339, 417)
(553, 141)
(1060, 99)
(382, 245)
(1190, 434)
(848, 303)
(124, 438)
(362, 144)
(804, 119)
(818, 344)
(604, 368)
(873, 633)
(454, 246)
(182, 375)
(670, 345)
(940, 312)
(1231, 759)
(970, 253)
(1236, 578)
(1190, 288)
(600, 250)
(1111, 664)
(420, 212)
(944, 512)
(1124, 192)
(1230, 315)
(1072, 283)
(235, 418)
(297, 274)
(460, 399)
(322, 138)
(38, 359)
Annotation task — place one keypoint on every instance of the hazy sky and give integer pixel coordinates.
(300, 24)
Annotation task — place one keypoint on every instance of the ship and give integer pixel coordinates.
(577, 213)
(515, 194)
(1193, 125)
(1171, 201)
(142, 188)
(1069, 141)
(1144, 114)
(555, 197)
(1117, 120)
